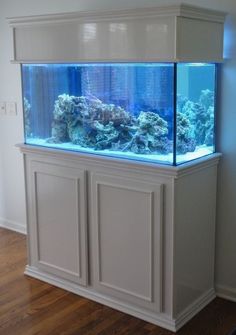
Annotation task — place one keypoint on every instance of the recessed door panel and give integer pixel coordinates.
(127, 218)
(60, 220)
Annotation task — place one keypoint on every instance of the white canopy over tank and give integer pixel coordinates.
(179, 33)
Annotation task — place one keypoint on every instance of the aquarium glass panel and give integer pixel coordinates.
(120, 110)
(195, 111)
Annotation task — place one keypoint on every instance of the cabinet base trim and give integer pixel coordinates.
(195, 308)
(160, 320)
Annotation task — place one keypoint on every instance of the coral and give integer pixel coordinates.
(150, 136)
(88, 122)
(210, 124)
(188, 109)
(106, 135)
(185, 141)
(207, 98)
(151, 123)
(66, 111)
(27, 109)
(200, 115)
(200, 118)
(181, 102)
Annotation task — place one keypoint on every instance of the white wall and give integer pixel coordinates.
(12, 204)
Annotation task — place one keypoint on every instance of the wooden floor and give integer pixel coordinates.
(29, 306)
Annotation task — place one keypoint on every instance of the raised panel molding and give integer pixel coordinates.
(49, 215)
(115, 278)
(77, 190)
(150, 297)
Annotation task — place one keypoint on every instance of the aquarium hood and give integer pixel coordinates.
(179, 33)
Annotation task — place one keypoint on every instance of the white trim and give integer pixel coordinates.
(160, 320)
(200, 13)
(184, 10)
(226, 292)
(194, 308)
(124, 164)
(140, 60)
(12, 225)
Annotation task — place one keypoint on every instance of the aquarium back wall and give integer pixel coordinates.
(12, 204)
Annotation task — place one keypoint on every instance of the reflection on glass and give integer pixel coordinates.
(90, 31)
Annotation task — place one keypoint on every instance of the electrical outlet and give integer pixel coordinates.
(11, 108)
(2, 108)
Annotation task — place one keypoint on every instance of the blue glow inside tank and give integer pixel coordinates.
(155, 112)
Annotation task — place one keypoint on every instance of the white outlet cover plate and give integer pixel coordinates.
(11, 108)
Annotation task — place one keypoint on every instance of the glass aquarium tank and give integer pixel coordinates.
(154, 112)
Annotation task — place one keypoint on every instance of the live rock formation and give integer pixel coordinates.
(89, 122)
(200, 115)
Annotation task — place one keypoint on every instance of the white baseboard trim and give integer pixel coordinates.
(159, 319)
(11, 225)
(195, 308)
(226, 292)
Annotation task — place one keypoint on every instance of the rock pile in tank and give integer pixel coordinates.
(90, 123)
(200, 116)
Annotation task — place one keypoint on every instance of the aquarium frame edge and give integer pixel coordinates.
(216, 107)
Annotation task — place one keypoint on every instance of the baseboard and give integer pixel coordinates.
(226, 292)
(194, 308)
(11, 225)
(161, 320)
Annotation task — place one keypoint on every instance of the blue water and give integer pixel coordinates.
(121, 110)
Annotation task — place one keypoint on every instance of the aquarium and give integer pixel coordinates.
(154, 112)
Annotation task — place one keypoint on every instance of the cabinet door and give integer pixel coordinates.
(58, 220)
(127, 242)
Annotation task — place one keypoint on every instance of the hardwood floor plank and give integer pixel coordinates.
(50, 318)
(31, 307)
(87, 321)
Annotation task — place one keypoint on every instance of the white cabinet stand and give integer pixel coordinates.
(136, 237)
